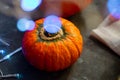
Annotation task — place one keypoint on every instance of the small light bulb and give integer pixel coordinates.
(18, 76)
(2, 51)
(10, 54)
(10, 76)
(7, 57)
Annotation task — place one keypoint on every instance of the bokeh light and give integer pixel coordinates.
(19, 76)
(24, 24)
(30, 5)
(114, 8)
(7, 57)
(2, 51)
(52, 24)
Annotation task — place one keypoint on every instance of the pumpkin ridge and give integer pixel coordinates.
(58, 65)
(67, 64)
(26, 42)
(48, 61)
(41, 53)
(59, 46)
(73, 53)
(74, 43)
(68, 51)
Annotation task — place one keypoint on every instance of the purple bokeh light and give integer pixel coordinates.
(114, 8)
(30, 5)
(52, 24)
(24, 24)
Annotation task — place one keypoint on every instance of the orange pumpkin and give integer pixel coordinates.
(52, 52)
(63, 8)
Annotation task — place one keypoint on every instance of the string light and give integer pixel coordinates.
(10, 76)
(10, 54)
(22, 25)
(2, 51)
(5, 43)
(52, 24)
(2, 76)
(18, 76)
(1, 72)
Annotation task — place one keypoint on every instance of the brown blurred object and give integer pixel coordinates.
(108, 32)
(63, 8)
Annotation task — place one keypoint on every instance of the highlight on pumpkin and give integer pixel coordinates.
(114, 8)
(30, 5)
(24, 24)
(52, 24)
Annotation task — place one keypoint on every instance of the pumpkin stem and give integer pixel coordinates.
(48, 36)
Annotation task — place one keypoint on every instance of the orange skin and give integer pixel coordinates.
(53, 55)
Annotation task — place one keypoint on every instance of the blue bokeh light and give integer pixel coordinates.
(7, 57)
(30, 5)
(52, 24)
(2, 51)
(24, 24)
(19, 76)
(114, 8)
